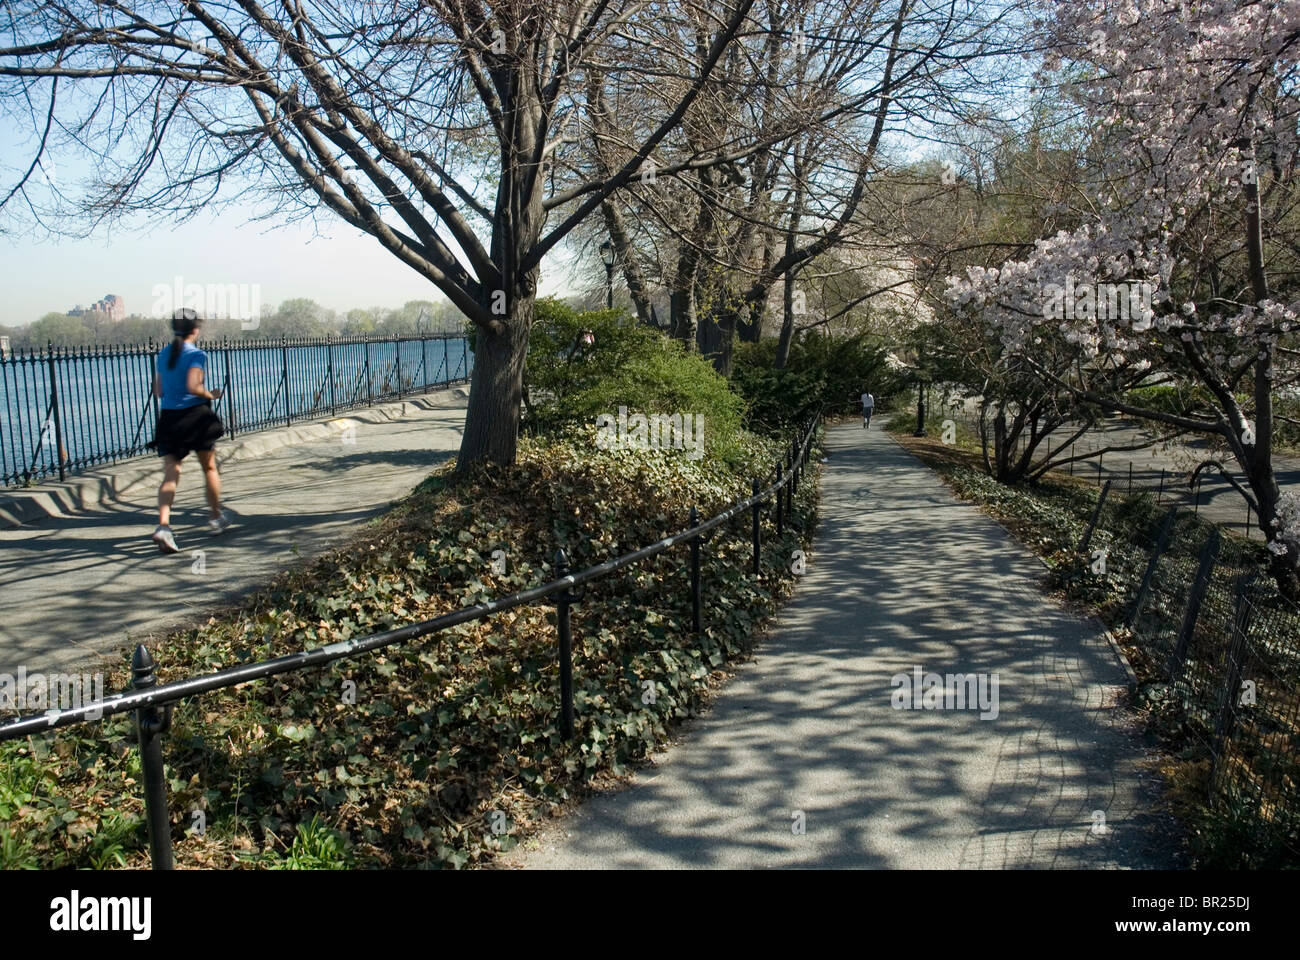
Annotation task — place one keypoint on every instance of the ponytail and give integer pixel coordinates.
(184, 322)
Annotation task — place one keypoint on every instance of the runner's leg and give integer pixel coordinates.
(212, 479)
(167, 489)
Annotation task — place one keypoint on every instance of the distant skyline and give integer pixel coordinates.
(342, 269)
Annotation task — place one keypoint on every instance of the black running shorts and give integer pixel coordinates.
(193, 428)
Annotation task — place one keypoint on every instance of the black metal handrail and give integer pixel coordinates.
(147, 698)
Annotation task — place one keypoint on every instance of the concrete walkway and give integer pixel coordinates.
(88, 580)
(903, 576)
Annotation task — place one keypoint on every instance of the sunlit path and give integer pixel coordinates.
(903, 578)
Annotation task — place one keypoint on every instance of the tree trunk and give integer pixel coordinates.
(623, 250)
(787, 324)
(726, 330)
(1257, 459)
(496, 390)
(682, 304)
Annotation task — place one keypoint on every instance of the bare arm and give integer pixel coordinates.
(194, 384)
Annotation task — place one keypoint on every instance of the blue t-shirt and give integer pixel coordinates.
(175, 392)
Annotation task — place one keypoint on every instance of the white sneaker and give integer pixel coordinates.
(219, 524)
(166, 542)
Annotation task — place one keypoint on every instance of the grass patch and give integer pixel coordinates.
(445, 751)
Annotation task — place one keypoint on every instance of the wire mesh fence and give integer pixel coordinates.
(1214, 644)
(1216, 648)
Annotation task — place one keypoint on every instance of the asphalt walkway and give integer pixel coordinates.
(88, 580)
(805, 761)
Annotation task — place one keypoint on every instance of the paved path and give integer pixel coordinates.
(903, 576)
(74, 585)
(1162, 468)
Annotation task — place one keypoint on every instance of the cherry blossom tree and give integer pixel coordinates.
(1184, 264)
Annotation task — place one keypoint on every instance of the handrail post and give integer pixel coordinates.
(150, 724)
(55, 414)
(757, 542)
(562, 601)
(695, 572)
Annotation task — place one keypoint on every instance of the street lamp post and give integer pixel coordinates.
(607, 258)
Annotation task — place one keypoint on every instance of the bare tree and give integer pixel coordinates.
(434, 126)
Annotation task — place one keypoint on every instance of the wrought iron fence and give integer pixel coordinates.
(65, 410)
(152, 703)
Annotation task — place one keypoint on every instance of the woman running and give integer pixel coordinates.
(186, 422)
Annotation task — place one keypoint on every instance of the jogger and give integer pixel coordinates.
(186, 422)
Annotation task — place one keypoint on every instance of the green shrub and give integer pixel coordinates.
(821, 370)
(570, 382)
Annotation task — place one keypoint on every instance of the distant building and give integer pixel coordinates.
(112, 308)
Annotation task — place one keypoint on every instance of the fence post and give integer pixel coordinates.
(1071, 459)
(284, 378)
(1161, 541)
(695, 572)
(1208, 556)
(152, 397)
(55, 414)
(780, 490)
(397, 361)
(228, 393)
(1096, 515)
(1161, 492)
(757, 543)
(562, 601)
(1241, 610)
(329, 345)
(150, 724)
(366, 341)
(1130, 478)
